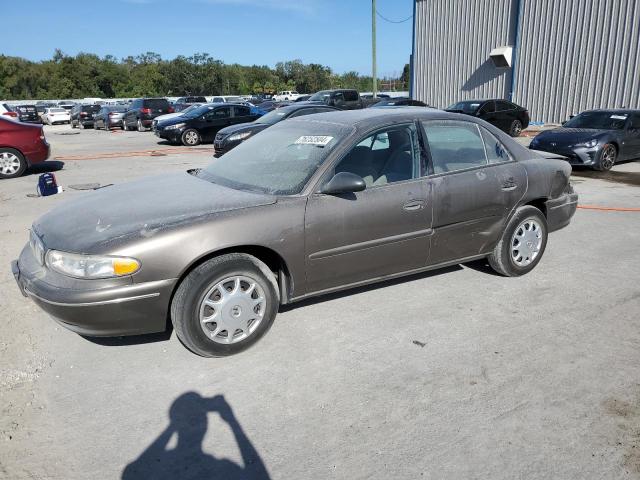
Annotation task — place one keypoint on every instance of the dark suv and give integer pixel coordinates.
(27, 113)
(185, 102)
(342, 99)
(82, 115)
(142, 111)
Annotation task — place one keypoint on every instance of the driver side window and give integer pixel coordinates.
(388, 156)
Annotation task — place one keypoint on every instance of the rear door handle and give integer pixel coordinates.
(509, 184)
(413, 205)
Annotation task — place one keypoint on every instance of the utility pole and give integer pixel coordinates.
(373, 48)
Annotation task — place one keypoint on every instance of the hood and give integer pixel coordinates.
(569, 136)
(243, 127)
(105, 218)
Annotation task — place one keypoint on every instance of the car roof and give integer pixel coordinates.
(300, 106)
(370, 117)
(613, 110)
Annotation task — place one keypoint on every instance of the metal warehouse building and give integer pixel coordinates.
(554, 57)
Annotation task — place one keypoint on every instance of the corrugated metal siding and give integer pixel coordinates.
(577, 54)
(452, 41)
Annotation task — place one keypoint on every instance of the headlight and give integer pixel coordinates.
(589, 144)
(175, 127)
(37, 247)
(90, 266)
(239, 136)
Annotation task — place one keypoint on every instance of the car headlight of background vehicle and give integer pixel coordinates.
(90, 266)
(588, 144)
(239, 136)
(175, 127)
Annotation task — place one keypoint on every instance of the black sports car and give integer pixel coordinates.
(234, 135)
(596, 138)
(507, 116)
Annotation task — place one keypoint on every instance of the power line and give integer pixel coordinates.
(393, 21)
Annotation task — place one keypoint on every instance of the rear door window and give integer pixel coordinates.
(488, 107)
(454, 145)
(502, 106)
(241, 111)
(350, 96)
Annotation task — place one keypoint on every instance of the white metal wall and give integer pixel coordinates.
(452, 41)
(576, 55)
(572, 55)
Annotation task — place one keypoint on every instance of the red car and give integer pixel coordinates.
(21, 145)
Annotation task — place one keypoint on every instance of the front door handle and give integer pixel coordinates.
(413, 205)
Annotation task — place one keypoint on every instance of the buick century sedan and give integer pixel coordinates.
(312, 205)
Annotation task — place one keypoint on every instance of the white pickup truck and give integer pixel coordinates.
(286, 95)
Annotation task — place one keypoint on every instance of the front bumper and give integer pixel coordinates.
(173, 135)
(560, 210)
(125, 309)
(574, 155)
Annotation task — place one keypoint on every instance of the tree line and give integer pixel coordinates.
(147, 74)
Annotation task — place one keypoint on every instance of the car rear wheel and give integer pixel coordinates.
(225, 305)
(12, 163)
(140, 126)
(191, 138)
(522, 243)
(608, 156)
(516, 128)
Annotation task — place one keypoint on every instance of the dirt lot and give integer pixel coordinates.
(487, 377)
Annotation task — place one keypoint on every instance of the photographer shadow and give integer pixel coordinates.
(186, 461)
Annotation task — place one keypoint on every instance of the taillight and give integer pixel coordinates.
(112, 114)
(171, 110)
(10, 114)
(145, 110)
(83, 114)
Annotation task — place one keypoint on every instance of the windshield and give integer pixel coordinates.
(191, 108)
(320, 96)
(466, 107)
(272, 117)
(598, 120)
(280, 160)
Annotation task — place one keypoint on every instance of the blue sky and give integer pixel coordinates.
(336, 33)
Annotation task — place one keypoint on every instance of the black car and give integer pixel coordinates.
(82, 115)
(398, 102)
(142, 111)
(507, 116)
(595, 138)
(202, 124)
(232, 136)
(27, 113)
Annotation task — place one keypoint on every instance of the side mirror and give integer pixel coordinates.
(344, 182)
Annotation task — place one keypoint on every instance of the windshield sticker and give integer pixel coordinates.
(619, 117)
(319, 140)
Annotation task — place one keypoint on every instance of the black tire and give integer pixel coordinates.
(501, 259)
(12, 153)
(140, 126)
(191, 137)
(607, 157)
(516, 128)
(124, 125)
(185, 307)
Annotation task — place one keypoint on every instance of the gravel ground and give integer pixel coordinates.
(486, 377)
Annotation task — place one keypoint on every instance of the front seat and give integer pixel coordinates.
(399, 165)
(359, 161)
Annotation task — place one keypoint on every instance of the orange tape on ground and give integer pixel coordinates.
(608, 209)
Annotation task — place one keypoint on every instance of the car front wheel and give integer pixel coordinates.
(191, 138)
(522, 243)
(225, 305)
(12, 163)
(608, 156)
(516, 128)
